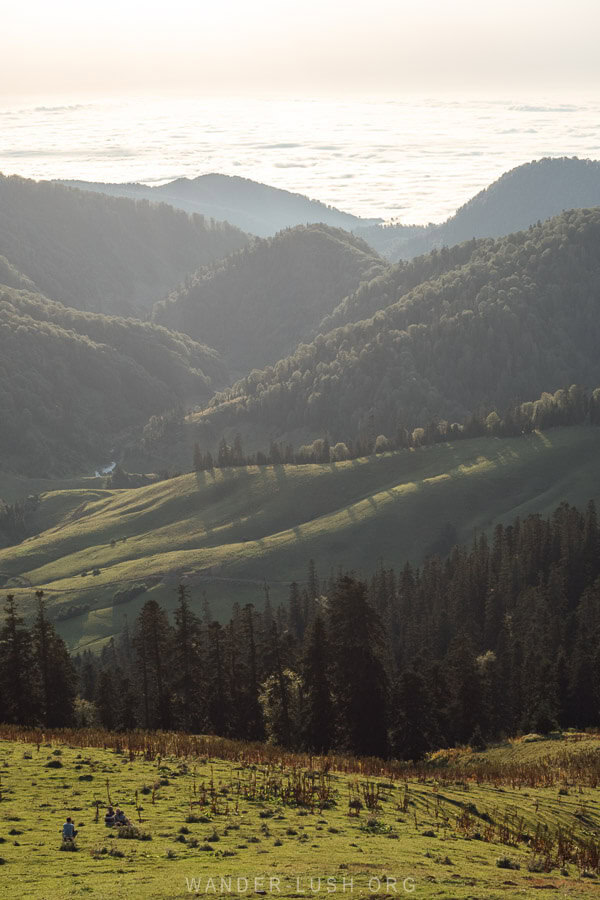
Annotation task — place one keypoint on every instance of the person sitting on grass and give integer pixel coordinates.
(121, 818)
(109, 818)
(68, 830)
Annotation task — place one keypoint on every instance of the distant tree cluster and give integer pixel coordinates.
(572, 406)
(16, 520)
(38, 681)
(496, 639)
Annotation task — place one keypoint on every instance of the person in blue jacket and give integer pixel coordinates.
(68, 830)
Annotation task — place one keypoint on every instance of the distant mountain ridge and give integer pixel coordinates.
(103, 254)
(259, 209)
(521, 197)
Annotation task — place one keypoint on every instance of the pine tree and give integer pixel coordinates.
(295, 612)
(187, 665)
(358, 677)
(413, 730)
(18, 683)
(56, 671)
(463, 674)
(318, 715)
(153, 644)
(107, 700)
(218, 711)
(254, 728)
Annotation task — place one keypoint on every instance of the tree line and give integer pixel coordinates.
(38, 678)
(499, 638)
(568, 406)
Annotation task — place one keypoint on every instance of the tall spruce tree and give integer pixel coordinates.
(18, 682)
(153, 642)
(57, 674)
(187, 666)
(318, 715)
(359, 680)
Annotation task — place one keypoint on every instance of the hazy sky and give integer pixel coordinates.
(297, 46)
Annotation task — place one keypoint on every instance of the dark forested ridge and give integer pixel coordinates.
(519, 317)
(501, 637)
(256, 305)
(103, 254)
(71, 381)
(521, 197)
(256, 208)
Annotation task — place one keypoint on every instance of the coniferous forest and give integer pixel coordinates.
(500, 637)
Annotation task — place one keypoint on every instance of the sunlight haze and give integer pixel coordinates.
(384, 46)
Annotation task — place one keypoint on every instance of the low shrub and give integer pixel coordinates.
(507, 862)
(133, 833)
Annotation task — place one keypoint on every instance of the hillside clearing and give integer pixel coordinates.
(227, 531)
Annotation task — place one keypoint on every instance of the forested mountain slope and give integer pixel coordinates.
(257, 208)
(519, 198)
(71, 382)
(519, 317)
(256, 305)
(228, 530)
(99, 253)
(396, 281)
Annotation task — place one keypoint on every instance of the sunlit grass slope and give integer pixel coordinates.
(439, 835)
(227, 531)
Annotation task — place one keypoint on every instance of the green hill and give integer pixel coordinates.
(256, 305)
(103, 254)
(514, 317)
(72, 382)
(227, 531)
(519, 198)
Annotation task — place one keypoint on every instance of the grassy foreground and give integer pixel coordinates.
(274, 823)
(227, 531)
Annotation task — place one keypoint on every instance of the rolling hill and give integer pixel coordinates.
(256, 305)
(521, 197)
(226, 531)
(72, 382)
(103, 254)
(515, 317)
(256, 208)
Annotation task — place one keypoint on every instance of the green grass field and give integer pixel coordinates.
(227, 531)
(17, 487)
(211, 819)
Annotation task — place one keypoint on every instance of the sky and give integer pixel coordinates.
(211, 47)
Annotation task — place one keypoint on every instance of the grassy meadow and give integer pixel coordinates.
(507, 823)
(227, 531)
